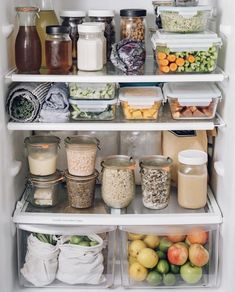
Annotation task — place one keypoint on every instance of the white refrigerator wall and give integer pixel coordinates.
(12, 150)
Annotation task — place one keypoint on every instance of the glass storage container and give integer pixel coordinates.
(184, 19)
(158, 3)
(55, 256)
(27, 44)
(81, 190)
(58, 49)
(192, 179)
(72, 18)
(118, 181)
(141, 103)
(133, 24)
(42, 154)
(186, 2)
(154, 257)
(192, 100)
(93, 110)
(155, 181)
(44, 189)
(81, 154)
(107, 17)
(90, 48)
(186, 53)
(92, 90)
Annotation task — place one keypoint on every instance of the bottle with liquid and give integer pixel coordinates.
(47, 17)
(27, 44)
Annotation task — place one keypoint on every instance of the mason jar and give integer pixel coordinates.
(118, 181)
(192, 179)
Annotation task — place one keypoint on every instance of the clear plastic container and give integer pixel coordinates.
(186, 53)
(150, 256)
(93, 110)
(61, 249)
(155, 181)
(192, 100)
(42, 154)
(186, 2)
(81, 154)
(44, 189)
(141, 103)
(158, 3)
(107, 17)
(92, 90)
(192, 179)
(81, 190)
(133, 24)
(118, 181)
(184, 19)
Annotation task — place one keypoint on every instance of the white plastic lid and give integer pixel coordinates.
(140, 95)
(185, 42)
(192, 93)
(186, 12)
(101, 24)
(72, 13)
(93, 104)
(101, 13)
(192, 157)
(89, 28)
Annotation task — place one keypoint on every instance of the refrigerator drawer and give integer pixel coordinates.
(59, 256)
(169, 256)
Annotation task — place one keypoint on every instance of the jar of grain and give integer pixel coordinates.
(81, 190)
(81, 154)
(192, 179)
(118, 181)
(133, 24)
(155, 181)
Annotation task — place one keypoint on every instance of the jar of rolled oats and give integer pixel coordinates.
(133, 24)
(118, 181)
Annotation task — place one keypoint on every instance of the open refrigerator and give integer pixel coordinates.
(218, 215)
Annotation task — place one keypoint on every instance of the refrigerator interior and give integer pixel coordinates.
(13, 166)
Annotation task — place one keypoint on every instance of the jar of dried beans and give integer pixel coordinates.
(155, 181)
(118, 181)
(81, 154)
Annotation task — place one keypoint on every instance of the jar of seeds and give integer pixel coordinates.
(118, 181)
(155, 181)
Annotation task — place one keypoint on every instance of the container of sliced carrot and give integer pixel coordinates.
(187, 53)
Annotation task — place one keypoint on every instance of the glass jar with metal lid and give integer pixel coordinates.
(58, 49)
(44, 190)
(155, 181)
(107, 17)
(118, 181)
(42, 154)
(132, 24)
(81, 189)
(81, 154)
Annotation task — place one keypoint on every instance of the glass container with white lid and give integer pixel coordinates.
(186, 53)
(141, 102)
(192, 100)
(185, 19)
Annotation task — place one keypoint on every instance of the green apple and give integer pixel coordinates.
(163, 266)
(175, 269)
(190, 274)
(154, 278)
(161, 254)
(165, 243)
(169, 279)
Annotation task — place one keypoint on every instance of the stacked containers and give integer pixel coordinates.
(44, 179)
(81, 174)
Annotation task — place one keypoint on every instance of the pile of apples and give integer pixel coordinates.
(166, 259)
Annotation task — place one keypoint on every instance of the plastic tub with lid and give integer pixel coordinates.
(142, 103)
(93, 110)
(192, 100)
(184, 19)
(186, 53)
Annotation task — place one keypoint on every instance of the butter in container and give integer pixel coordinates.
(141, 103)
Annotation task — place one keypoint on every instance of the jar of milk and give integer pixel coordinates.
(192, 179)
(42, 154)
(90, 47)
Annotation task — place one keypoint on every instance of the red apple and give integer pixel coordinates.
(177, 254)
(176, 237)
(197, 235)
(198, 255)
